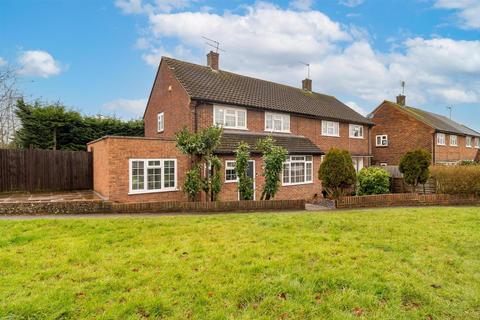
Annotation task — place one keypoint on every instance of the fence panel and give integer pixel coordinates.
(45, 170)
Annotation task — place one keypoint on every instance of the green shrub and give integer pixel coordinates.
(245, 183)
(337, 172)
(414, 166)
(457, 179)
(273, 158)
(373, 180)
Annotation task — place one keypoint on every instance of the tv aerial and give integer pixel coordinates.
(213, 43)
(308, 68)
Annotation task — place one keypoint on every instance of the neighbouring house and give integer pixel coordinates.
(188, 95)
(400, 128)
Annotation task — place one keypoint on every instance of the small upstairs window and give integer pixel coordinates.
(441, 139)
(160, 122)
(277, 122)
(453, 140)
(381, 140)
(469, 142)
(356, 131)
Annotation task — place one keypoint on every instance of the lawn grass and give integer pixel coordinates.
(416, 263)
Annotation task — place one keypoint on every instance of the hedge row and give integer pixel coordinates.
(457, 179)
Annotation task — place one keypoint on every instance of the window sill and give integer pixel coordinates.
(442, 145)
(276, 131)
(296, 184)
(330, 135)
(152, 191)
(381, 146)
(359, 138)
(231, 181)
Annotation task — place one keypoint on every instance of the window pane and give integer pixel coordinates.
(169, 173)
(268, 122)
(286, 173)
(286, 123)
(219, 116)
(230, 118)
(277, 124)
(241, 118)
(154, 178)
(297, 172)
(137, 175)
(308, 172)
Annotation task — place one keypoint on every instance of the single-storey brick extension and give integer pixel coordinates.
(306, 123)
(400, 128)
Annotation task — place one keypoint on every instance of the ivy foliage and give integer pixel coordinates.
(414, 165)
(373, 180)
(200, 146)
(337, 172)
(53, 126)
(273, 158)
(245, 183)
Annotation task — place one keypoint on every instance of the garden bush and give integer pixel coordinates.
(457, 179)
(415, 165)
(373, 180)
(337, 172)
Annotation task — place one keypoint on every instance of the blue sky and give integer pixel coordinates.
(101, 56)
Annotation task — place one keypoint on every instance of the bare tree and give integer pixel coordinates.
(9, 95)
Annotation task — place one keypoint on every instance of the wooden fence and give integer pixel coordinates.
(45, 170)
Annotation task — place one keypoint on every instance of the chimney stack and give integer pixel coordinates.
(401, 100)
(212, 60)
(307, 84)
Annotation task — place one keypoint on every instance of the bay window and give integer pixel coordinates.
(277, 122)
(153, 175)
(228, 117)
(297, 170)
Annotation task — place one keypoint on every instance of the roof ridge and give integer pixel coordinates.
(250, 77)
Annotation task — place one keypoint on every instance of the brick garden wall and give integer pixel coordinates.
(405, 199)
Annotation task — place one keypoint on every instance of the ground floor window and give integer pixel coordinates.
(153, 175)
(230, 173)
(357, 163)
(297, 170)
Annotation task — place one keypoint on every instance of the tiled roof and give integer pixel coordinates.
(293, 144)
(203, 83)
(439, 122)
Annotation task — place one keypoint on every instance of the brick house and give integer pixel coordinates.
(188, 95)
(400, 128)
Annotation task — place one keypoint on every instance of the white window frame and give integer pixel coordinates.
(477, 142)
(351, 129)
(383, 137)
(468, 141)
(453, 144)
(160, 122)
(282, 117)
(290, 160)
(440, 137)
(229, 162)
(145, 176)
(327, 125)
(224, 109)
(358, 163)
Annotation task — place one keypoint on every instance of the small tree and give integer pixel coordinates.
(373, 180)
(245, 183)
(337, 172)
(415, 167)
(273, 158)
(200, 146)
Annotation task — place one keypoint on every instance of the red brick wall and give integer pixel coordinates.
(404, 132)
(460, 152)
(111, 167)
(308, 127)
(229, 190)
(170, 97)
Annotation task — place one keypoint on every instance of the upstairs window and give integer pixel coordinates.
(356, 131)
(277, 122)
(441, 139)
(330, 128)
(469, 142)
(453, 140)
(477, 142)
(381, 140)
(153, 175)
(160, 122)
(227, 117)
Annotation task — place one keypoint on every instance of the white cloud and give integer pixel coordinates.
(267, 41)
(356, 107)
(301, 4)
(130, 6)
(2, 62)
(38, 63)
(127, 107)
(152, 6)
(351, 3)
(468, 11)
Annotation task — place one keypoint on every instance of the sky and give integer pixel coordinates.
(100, 57)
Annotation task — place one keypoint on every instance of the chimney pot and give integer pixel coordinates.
(401, 100)
(307, 84)
(213, 60)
